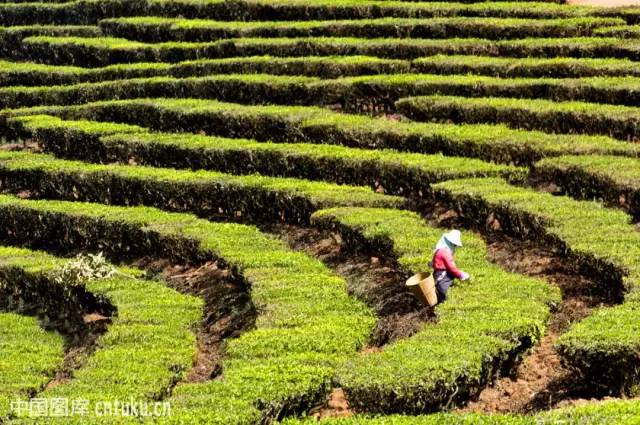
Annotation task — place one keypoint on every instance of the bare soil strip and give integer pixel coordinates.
(228, 310)
(336, 406)
(79, 348)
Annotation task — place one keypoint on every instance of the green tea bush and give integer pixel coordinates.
(148, 346)
(253, 198)
(155, 29)
(614, 180)
(78, 12)
(360, 94)
(92, 52)
(243, 88)
(30, 356)
(621, 31)
(621, 122)
(303, 331)
(289, 124)
(398, 173)
(33, 74)
(525, 67)
(12, 36)
(365, 93)
(295, 10)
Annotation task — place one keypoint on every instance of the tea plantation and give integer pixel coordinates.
(209, 210)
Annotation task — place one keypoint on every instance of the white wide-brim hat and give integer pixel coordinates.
(454, 237)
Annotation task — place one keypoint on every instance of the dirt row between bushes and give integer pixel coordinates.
(540, 382)
(228, 311)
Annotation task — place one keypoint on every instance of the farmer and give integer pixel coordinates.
(444, 267)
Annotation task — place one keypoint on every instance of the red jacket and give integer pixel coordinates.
(443, 260)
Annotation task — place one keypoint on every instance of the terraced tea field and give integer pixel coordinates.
(209, 209)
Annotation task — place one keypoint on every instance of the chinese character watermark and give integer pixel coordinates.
(64, 407)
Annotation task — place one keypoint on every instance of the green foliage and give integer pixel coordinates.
(559, 67)
(398, 173)
(30, 355)
(356, 93)
(243, 88)
(209, 193)
(149, 343)
(614, 180)
(90, 11)
(33, 74)
(144, 344)
(621, 122)
(250, 88)
(361, 93)
(110, 50)
(620, 31)
(289, 124)
(354, 56)
(482, 327)
(77, 12)
(156, 29)
(434, 419)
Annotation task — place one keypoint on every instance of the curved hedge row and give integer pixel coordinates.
(206, 193)
(398, 173)
(621, 122)
(77, 12)
(622, 31)
(33, 74)
(243, 88)
(269, 10)
(525, 67)
(91, 11)
(287, 124)
(156, 29)
(483, 328)
(12, 36)
(104, 51)
(148, 347)
(362, 94)
(141, 355)
(618, 411)
(612, 179)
